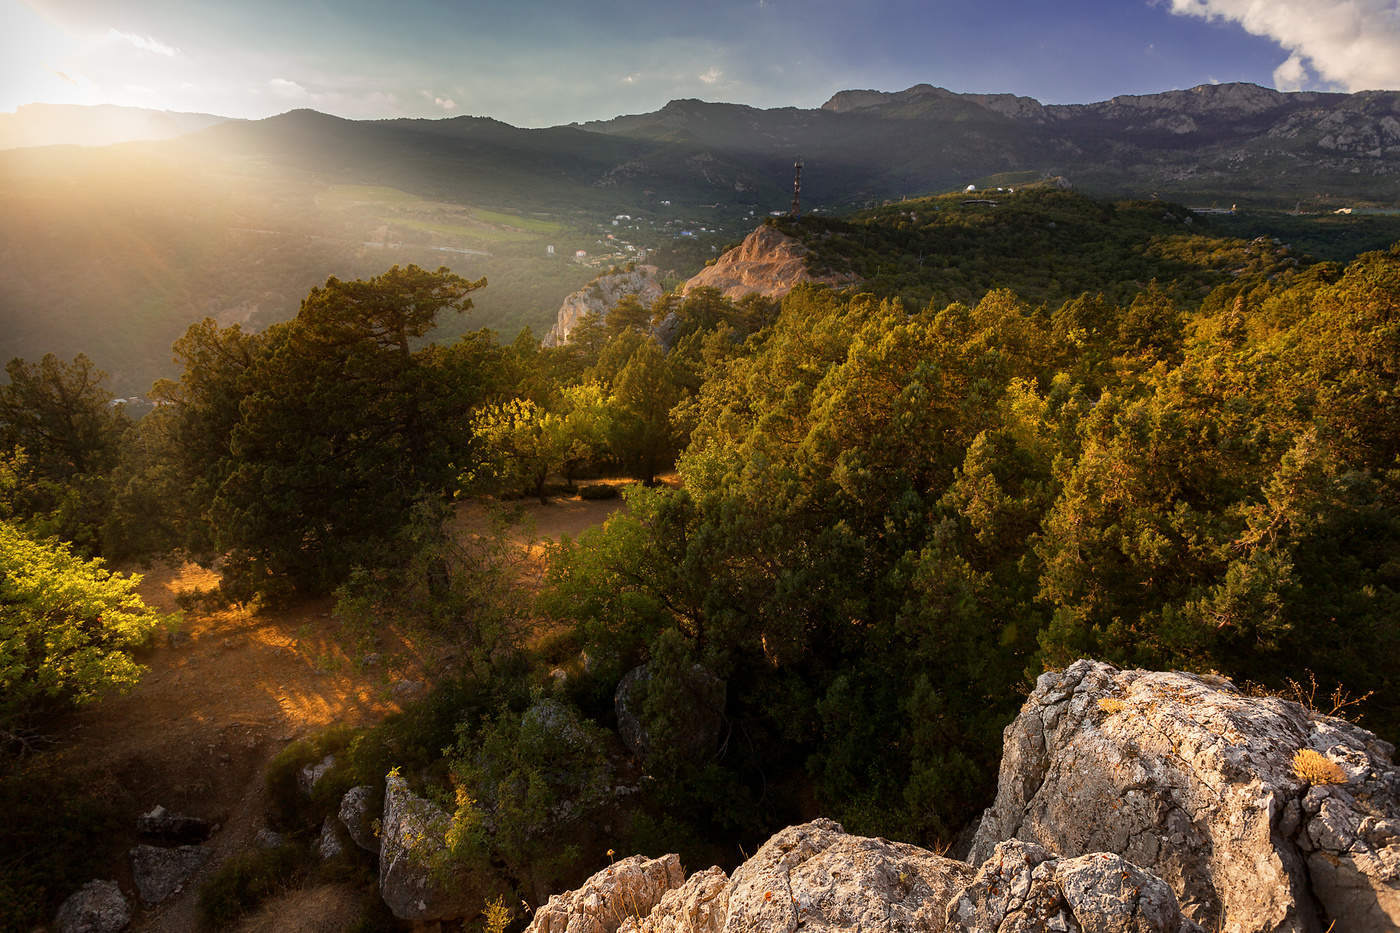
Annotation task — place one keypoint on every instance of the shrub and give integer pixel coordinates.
(1316, 768)
(598, 491)
(246, 880)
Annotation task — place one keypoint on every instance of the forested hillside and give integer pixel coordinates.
(1049, 429)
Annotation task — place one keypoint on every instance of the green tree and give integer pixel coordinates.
(643, 434)
(67, 629)
(341, 428)
(60, 415)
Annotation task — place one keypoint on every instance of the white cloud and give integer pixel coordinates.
(1351, 43)
(144, 43)
(711, 76)
(633, 78)
(282, 87)
(446, 103)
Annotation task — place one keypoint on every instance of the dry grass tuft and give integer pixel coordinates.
(1316, 768)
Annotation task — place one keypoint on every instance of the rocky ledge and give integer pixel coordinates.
(1127, 801)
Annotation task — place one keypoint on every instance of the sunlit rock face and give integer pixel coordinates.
(768, 263)
(602, 295)
(1262, 815)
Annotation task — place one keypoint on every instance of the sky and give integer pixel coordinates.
(546, 62)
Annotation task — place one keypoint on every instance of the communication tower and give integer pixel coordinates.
(797, 188)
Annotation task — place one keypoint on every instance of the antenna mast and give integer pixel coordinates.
(797, 188)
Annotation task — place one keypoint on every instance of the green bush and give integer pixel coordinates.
(598, 491)
(246, 880)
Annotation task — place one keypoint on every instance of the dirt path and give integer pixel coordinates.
(232, 688)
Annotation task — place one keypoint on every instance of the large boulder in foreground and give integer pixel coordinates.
(820, 878)
(1260, 814)
(96, 907)
(411, 849)
(629, 888)
(1024, 889)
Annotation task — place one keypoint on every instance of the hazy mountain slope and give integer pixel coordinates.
(70, 124)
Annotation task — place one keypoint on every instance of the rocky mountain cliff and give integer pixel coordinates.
(602, 295)
(768, 263)
(1127, 801)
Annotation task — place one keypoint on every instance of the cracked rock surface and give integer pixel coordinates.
(1022, 888)
(1187, 777)
(628, 889)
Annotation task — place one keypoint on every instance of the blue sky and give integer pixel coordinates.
(542, 62)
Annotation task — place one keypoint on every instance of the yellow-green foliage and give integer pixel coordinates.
(1316, 768)
(67, 629)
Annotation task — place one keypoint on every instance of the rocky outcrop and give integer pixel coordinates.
(411, 847)
(817, 877)
(628, 889)
(1261, 814)
(357, 816)
(96, 907)
(161, 873)
(768, 263)
(698, 906)
(703, 712)
(602, 295)
(1022, 888)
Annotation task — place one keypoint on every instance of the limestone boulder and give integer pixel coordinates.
(357, 816)
(817, 877)
(698, 906)
(411, 851)
(161, 873)
(1260, 814)
(627, 889)
(310, 775)
(96, 907)
(1022, 888)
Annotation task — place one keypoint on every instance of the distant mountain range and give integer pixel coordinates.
(1239, 142)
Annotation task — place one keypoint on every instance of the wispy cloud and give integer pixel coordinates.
(288, 89)
(144, 43)
(62, 76)
(711, 76)
(1351, 43)
(445, 103)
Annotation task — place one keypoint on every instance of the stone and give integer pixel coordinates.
(268, 839)
(409, 689)
(330, 843)
(96, 907)
(160, 873)
(627, 889)
(310, 775)
(698, 906)
(161, 824)
(1022, 888)
(818, 877)
(1185, 776)
(704, 712)
(357, 816)
(410, 847)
